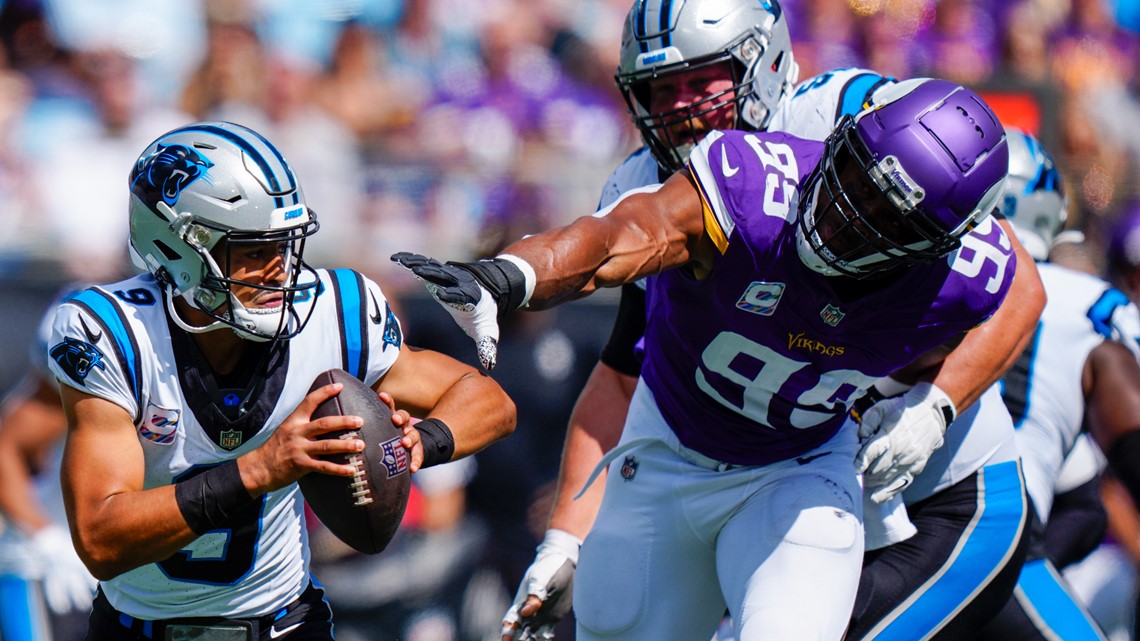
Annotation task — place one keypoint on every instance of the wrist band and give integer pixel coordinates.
(208, 500)
(438, 443)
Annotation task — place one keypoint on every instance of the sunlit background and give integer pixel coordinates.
(450, 127)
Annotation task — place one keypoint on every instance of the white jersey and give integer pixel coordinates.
(116, 342)
(1043, 389)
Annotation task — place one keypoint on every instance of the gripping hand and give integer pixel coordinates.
(899, 434)
(475, 294)
(545, 594)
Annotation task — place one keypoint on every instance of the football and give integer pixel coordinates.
(364, 510)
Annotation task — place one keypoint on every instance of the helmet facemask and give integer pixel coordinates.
(859, 217)
(272, 314)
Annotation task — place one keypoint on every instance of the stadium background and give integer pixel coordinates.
(449, 127)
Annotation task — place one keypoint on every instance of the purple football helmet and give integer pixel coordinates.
(901, 182)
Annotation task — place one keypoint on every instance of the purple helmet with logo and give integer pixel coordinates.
(901, 182)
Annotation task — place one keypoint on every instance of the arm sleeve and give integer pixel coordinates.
(620, 351)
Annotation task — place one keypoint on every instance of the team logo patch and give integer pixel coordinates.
(392, 335)
(166, 172)
(831, 315)
(77, 358)
(159, 425)
(230, 439)
(629, 468)
(395, 457)
(761, 298)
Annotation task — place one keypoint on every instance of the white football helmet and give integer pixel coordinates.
(198, 193)
(1034, 199)
(664, 37)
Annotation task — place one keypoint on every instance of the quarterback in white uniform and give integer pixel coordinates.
(187, 394)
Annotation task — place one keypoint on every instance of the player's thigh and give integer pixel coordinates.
(645, 570)
(958, 570)
(789, 559)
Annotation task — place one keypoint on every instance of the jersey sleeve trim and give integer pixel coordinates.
(712, 224)
(348, 288)
(103, 309)
(856, 94)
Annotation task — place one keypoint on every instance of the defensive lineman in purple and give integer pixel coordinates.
(790, 349)
(803, 272)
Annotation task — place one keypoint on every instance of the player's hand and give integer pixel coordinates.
(295, 448)
(470, 304)
(899, 434)
(68, 586)
(544, 596)
(411, 439)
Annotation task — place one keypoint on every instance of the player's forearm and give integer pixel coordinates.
(129, 529)
(595, 428)
(477, 411)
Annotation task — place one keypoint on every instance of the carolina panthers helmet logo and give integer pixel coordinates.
(166, 172)
(76, 358)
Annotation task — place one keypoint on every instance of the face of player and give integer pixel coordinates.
(676, 99)
(854, 218)
(262, 264)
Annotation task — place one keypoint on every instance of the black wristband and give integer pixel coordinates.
(208, 500)
(502, 278)
(439, 444)
(1124, 459)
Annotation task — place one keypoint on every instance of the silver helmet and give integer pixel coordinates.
(204, 191)
(1034, 200)
(667, 37)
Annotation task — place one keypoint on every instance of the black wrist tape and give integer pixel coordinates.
(1124, 458)
(208, 500)
(439, 444)
(502, 278)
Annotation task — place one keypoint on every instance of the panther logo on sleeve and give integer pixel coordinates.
(76, 358)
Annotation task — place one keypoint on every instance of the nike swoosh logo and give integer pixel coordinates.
(274, 632)
(94, 338)
(376, 318)
(725, 168)
(804, 460)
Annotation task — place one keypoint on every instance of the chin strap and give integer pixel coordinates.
(183, 325)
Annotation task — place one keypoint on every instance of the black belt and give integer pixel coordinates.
(188, 628)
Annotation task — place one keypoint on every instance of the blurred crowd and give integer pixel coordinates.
(446, 127)
(450, 127)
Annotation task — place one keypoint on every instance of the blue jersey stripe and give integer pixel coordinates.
(985, 547)
(107, 314)
(347, 285)
(1100, 314)
(1047, 602)
(22, 615)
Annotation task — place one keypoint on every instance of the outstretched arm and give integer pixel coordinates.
(644, 233)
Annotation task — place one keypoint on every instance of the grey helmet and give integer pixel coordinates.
(209, 182)
(663, 37)
(1034, 200)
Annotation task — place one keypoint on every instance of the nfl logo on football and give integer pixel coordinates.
(395, 457)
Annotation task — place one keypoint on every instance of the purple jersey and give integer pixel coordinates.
(760, 361)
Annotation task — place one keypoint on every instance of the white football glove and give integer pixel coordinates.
(68, 586)
(899, 434)
(550, 578)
